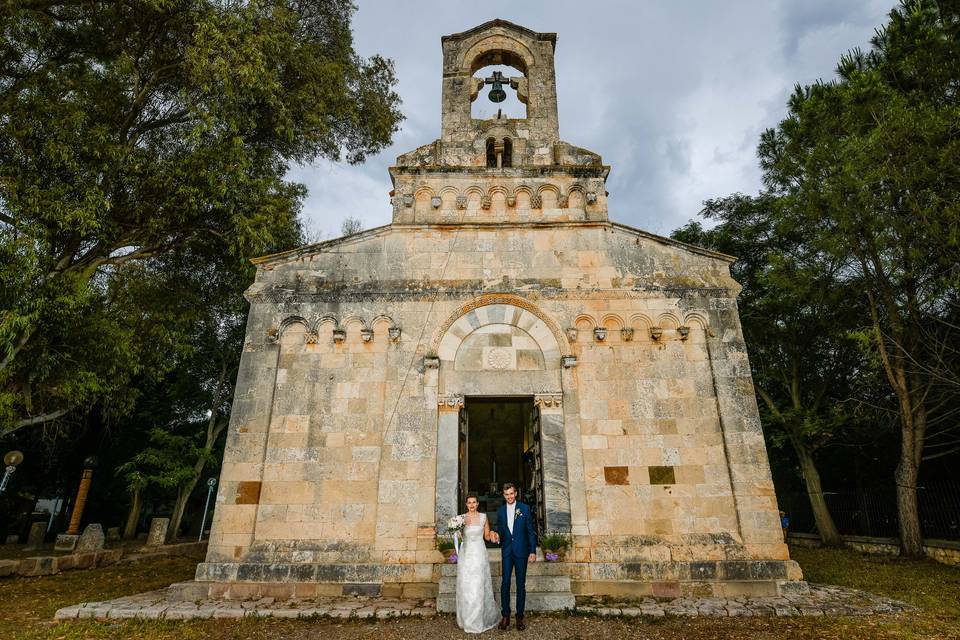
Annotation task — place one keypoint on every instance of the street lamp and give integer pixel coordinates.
(12, 459)
(211, 483)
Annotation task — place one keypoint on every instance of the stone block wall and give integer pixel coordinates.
(332, 466)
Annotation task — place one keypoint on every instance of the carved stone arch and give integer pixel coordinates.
(585, 322)
(501, 299)
(497, 49)
(668, 320)
(696, 318)
(612, 321)
(381, 319)
(326, 319)
(291, 321)
(641, 322)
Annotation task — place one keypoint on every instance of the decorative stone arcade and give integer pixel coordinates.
(500, 276)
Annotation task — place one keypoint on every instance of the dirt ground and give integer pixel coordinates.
(27, 606)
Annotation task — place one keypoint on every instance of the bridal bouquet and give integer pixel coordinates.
(455, 524)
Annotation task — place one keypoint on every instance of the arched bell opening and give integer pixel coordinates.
(507, 158)
(498, 93)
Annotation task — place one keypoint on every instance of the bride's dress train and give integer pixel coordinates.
(477, 610)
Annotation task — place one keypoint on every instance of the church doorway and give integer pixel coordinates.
(500, 442)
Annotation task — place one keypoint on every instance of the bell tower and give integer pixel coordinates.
(500, 169)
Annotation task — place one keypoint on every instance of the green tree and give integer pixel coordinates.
(130, 129)
(867, 166)
(796, 318)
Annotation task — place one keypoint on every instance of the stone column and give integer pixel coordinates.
(553, 452)
(571, 424)
(448, 457)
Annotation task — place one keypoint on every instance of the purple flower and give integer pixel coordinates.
(553, 557)
(452, 559)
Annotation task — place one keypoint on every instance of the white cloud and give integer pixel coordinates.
(673, 95)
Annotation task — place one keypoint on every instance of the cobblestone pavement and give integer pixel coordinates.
(819, 601)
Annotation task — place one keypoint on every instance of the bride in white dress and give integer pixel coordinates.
(477, 611)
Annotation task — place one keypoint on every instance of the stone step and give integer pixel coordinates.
(557, 601)
(535, 584)
(533, 569)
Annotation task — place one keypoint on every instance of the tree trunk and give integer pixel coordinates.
(133, 516)
(911, 539)
(180, 506)
(821, 514)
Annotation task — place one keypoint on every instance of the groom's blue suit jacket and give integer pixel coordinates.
(523, 540)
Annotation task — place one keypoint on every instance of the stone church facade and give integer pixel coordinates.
(500, 280)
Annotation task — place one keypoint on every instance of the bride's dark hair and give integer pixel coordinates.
(472, 495)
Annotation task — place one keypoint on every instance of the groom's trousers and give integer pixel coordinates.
(518, 566)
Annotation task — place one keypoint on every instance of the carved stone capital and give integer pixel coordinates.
(568, 362)
(311, 337)
(450, 403)
(461, 202)
(431, 362)
(339, 335)
(394, 333)
(535, 202)
(626, 334)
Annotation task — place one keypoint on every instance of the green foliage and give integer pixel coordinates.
(444, 543)
(555, 541)
(130, 130)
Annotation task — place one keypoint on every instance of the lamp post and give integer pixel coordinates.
(12, 459)
(211, 483)
(88, 466)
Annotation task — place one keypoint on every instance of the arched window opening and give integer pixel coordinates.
(491, 153)
(505, 103)
(507, 160)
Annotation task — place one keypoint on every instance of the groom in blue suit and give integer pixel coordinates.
(518, 546)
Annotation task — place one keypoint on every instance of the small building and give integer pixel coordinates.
(501, 329)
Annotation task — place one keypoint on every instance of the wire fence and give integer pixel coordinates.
(873, 512)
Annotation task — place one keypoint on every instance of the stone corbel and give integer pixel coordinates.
(511, 201)
(485, 202)
(548, 400)
(591, 197)
(435, 202)
(684, 332)
(366, 335)
(394, 333)
(562, 201)
(600, 333)
(311, 337)
(461, 202)
(520, 85)
(656, 333)
(626, 334)
(273, 335)
(535, 201)
(568, 362)
(572, 334)
(431, 362)
(407, 200)
(450, 403)
(339, 335)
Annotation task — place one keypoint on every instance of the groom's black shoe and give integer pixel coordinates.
(520, 624)
(504, 623)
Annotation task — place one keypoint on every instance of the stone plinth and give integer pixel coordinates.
(38, 531)
(66, 542)
(158, 532)
(91, 539)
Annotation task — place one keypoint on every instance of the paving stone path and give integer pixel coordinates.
(818, 601)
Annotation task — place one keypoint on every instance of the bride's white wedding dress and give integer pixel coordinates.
(477, 611)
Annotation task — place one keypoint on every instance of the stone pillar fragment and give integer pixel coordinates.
(448, 458)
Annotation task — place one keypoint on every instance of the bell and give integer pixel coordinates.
(497, 95)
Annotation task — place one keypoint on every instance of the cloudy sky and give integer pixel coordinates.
(672, 95)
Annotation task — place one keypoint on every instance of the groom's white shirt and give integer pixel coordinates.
(511, 510)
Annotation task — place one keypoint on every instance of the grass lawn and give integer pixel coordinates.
(27, 606)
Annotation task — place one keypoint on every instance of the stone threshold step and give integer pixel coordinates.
(536, 584)
(447, 603)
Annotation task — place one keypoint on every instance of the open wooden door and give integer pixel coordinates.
(463, 431)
